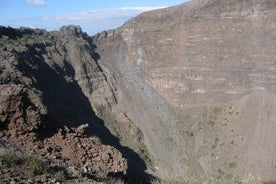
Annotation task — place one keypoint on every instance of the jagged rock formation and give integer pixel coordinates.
(47, 83)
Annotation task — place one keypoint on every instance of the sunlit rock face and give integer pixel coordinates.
(213, 61)
(205, 49)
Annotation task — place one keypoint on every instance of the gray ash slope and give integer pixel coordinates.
(213, 62)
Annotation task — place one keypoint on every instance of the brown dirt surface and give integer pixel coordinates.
(77, 156)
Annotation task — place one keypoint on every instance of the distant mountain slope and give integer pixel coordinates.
(190, 53)
(213, 61)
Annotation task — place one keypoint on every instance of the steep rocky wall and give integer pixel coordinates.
(60, 70)
(205, 52)
(197, 56)
(47, 83)
(141, 103)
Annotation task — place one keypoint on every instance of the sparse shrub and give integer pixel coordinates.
(37, 166)
(33, 164)
(111, 122)
(211, 123)
(26, 37)
(158, 181)
(46, 35)
(214, 146)
(10, 159)
(233, 164)
(229, 176)
(2, 43)
(144, 154)
(217, 110)
(215, 143)
(113, 180)
(105, 114)
(231, 112)
(237, 180)
(60, 175)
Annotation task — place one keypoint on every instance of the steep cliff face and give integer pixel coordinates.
(141, 103)
(56, 66)
(202, 49)
(199, 81)
(48, 82)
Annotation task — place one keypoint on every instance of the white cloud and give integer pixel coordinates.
(107, 14)
(35, 2)
(91, 22)
(142, 8)
(95, 21)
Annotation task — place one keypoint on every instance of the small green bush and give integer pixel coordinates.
(110, 120)
(105, 114)
(26, 37)
(114, 180)
(145, 155)
(10, 159)
(38, 167)
(32, 164)
(60, 175)
(2, 43)
(158, 181)
(233, 164)
(237, 180)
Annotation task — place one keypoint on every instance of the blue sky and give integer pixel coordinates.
(93, 16)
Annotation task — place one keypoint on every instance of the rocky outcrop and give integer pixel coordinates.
(83, 155)
(70, 150)
(47, 83)
(18, 114)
